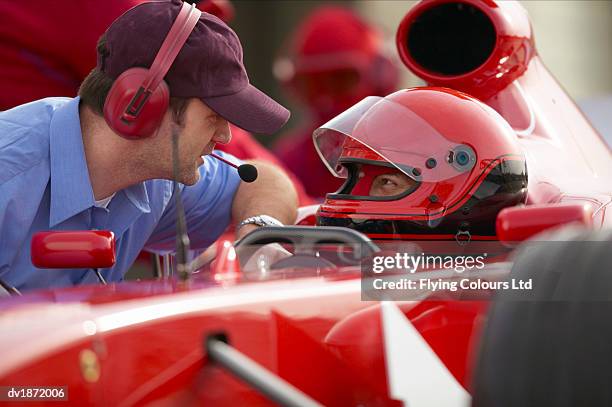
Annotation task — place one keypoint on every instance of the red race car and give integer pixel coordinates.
(324, 326)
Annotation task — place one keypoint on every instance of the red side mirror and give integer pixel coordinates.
(520, 223)
(73, 249)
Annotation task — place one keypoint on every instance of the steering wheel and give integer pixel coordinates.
(306, 238)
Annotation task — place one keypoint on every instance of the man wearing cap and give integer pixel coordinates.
(36, 62)
(64, 168)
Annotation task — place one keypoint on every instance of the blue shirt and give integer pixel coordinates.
(44, 185)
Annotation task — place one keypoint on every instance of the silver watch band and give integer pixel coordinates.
(260, 220)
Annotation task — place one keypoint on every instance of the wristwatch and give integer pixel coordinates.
(260, 220)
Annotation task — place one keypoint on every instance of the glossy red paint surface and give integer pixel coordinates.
(521, 223)
(567, 160)
(309, 331)
(73, 249)
(316, 332)
(514, 48)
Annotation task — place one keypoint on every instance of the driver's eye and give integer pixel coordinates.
(388, 182)
(385, 186)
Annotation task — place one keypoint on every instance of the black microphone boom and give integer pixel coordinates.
(247, 172)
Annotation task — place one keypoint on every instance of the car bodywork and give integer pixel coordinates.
(145, 342)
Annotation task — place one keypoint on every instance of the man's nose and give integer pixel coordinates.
(223, 135)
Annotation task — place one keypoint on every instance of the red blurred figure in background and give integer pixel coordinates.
(47, 49)
(336, 59)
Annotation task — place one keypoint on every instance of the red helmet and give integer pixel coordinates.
(335, 60)
(460, 160)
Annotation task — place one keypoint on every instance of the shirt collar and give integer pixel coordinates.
(71, 191)
(137, 194)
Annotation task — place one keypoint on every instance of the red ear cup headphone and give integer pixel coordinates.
(139, 97)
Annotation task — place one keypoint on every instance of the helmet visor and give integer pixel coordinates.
(378, 127)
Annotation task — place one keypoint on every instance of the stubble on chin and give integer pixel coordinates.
(190, 177)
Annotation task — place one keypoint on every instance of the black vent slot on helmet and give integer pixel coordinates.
(451, 39)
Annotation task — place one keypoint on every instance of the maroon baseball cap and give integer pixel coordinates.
(209, 66)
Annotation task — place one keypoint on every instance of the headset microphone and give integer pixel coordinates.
(246, 172)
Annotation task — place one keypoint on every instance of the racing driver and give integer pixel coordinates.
(422, 163)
